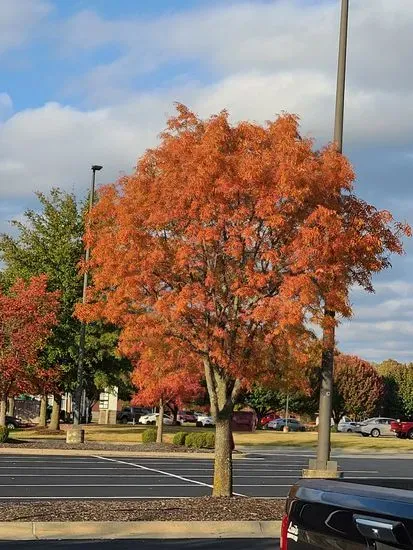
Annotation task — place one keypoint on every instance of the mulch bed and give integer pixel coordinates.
(96, 446)
(189, 509)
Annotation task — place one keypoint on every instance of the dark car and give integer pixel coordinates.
(131, 414)
(279, 424)
(375, 514)
(186, 416)
(12, 422)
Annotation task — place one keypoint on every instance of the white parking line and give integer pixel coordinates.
(144, 476)
(235, 470)
(261, 486)
(33, 462)
(161, 472)
(60, 468)
(106, 485)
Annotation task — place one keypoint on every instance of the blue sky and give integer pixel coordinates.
(93, 81)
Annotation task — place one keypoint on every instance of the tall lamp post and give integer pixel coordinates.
(79, 434)
(323, 466)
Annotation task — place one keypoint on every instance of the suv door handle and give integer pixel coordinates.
(382, 530)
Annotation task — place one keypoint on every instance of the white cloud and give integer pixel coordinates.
(55, 145)
(6, 105)
(266, 57)
(382, 324)
(17, 20)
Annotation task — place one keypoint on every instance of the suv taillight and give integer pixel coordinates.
(284, 532)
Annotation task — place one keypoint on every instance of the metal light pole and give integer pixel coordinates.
(79, 381)
(322, 466)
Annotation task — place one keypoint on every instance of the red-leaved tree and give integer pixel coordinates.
(225, 241)
(165, 376)
(27, 314)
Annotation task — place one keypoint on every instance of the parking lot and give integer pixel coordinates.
(259, 475)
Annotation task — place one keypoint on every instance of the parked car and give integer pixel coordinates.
(376, 427)
(278, 425)
(131, 414)
(322, 514)
(268, 417)
(348, 426)
(402, 430)
(205, 421)
(13, 422)
(186, 416)
(152, 418)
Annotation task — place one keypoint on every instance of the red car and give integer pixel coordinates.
(402, 429)
(267, 418)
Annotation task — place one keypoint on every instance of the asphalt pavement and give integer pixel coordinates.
(261, 474)
(196, 544)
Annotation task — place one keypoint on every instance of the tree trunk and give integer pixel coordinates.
(10, 406)
(159, 433)
(174, 411)
(223, 459)
(55, 418)
(3, 407)
(223, 392)
(43, 412)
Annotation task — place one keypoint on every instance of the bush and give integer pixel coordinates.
(190, 440)
(180, 438)
(149, 435)
(201, 440)
(210, 440)
(4, 434)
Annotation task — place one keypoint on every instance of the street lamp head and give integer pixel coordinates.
(96, 167)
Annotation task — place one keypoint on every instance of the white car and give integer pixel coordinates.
(348, 426)
(376, 427)
(152, 418)
(205, 421)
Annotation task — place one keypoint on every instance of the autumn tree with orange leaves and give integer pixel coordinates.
(226, 240)
(27, 315)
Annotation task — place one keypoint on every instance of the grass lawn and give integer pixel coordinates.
(102, 433)
(133, 434)
(349, 442)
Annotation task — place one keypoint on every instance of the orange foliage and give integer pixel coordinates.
(226, 237)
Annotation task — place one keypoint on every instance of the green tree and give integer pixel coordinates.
(50, 241)
(358, 388)
(390, 371)
(405, 383)
(262, 400)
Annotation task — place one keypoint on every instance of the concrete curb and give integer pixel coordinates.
(81, 452)
(138, 530)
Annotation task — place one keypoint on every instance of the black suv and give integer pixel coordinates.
(131, 414)
(13, 423)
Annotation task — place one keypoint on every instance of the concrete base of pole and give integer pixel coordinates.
(322, 471)
(75, 435)
(286, 429)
